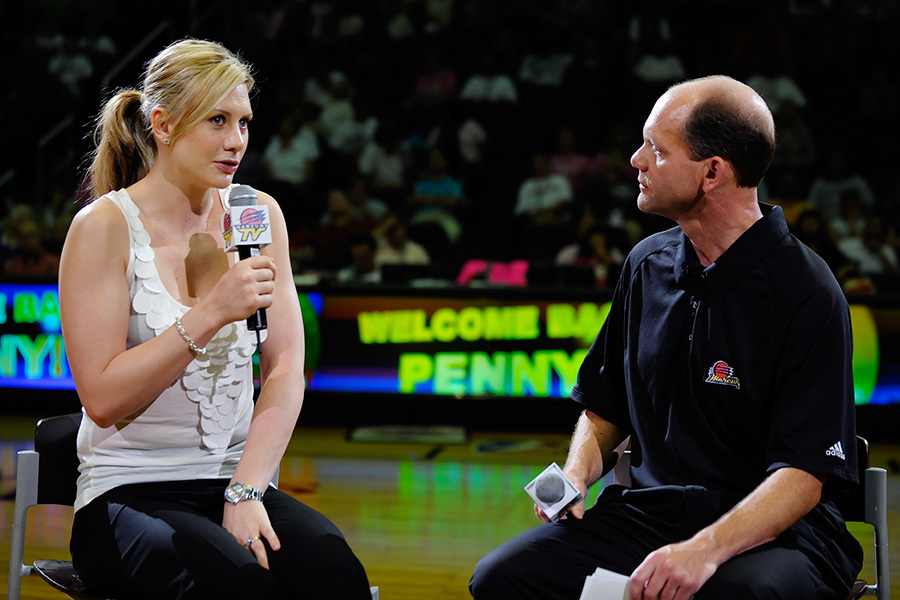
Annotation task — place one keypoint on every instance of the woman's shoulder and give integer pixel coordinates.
(101, 219)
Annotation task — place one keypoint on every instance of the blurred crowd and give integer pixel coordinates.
(487, 142)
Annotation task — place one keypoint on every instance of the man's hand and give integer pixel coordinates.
(674, 572)
(576, 510)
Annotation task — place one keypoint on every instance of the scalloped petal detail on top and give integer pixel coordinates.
(215, 381)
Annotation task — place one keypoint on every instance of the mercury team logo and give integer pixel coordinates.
(721, 374)
(253, 222)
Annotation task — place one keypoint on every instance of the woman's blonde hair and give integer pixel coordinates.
(187, 80)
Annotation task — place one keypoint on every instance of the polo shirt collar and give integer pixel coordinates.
(724, 274)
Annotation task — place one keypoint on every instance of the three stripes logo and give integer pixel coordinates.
(836, 450)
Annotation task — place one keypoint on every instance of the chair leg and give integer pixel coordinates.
(876, 488)
(26, 497)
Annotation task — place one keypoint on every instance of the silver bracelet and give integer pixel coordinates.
(194, 347)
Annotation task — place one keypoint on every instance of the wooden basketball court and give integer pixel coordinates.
(418, 507)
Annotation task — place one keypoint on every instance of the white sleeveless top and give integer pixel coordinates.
(197, 427)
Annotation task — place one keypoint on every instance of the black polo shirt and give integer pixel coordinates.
(725, 373)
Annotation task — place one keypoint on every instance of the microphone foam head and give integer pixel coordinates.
(243, 195)
(550, 489)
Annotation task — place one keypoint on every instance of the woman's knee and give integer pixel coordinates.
(327, 568)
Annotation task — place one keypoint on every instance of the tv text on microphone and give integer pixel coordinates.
(246, 228)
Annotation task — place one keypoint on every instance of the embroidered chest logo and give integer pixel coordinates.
(721, 374)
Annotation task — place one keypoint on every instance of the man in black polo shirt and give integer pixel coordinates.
(726, 358)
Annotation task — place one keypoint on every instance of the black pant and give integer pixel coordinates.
(552, 561)
(166, 540)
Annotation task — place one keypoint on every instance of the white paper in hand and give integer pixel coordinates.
(605, 585)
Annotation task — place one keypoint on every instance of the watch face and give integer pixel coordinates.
(234, 492)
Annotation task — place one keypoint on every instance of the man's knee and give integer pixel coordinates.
(775, 575)
(499, 574)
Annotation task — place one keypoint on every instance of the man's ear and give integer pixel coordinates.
(717, 171)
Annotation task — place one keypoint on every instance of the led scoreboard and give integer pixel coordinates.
(451, 346)
(447, 342)
(32, 354)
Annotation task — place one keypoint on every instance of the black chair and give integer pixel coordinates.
(865, 503)
(48, 475)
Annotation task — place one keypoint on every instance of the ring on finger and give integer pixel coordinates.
(251, 540)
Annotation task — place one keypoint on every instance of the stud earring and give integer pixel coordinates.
(166, 141)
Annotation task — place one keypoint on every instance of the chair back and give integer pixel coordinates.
(851, 501)
(55, 441)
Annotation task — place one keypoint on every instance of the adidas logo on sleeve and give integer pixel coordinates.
(836, 450)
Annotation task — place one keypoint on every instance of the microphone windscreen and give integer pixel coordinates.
(243, 195)
(550, 489)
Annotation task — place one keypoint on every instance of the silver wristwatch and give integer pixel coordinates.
(237, 491)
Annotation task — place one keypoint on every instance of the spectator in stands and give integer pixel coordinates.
(873, 255)
(329, 239)
(338, 107)
(569, 161)
(796, 143)
(597, 249)
(648, 22)
(361, 247)
(838, 177)
(438, 197)
(317, 85)
(395, 248)
(9, 233)
(383, 163)
(349, 136)
(853, 219)
(888, 208)
(787, 191)
(542, 211)
(364, 206)
(434, 86)
(72, 66)
(658, 65)
(544, 64)
(489, 84)
(28, 254)
(776, 86)
(289, 162)
(811, 228)
(542, 72)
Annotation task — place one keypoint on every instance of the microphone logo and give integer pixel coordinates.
(252, 223)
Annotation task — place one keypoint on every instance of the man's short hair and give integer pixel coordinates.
(718, 127)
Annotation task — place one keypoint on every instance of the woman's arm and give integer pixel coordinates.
(279, 402)
(281, 367)
(95, 303)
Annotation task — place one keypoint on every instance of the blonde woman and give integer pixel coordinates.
(173, 497)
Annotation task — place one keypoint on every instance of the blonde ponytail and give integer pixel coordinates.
(125, 149)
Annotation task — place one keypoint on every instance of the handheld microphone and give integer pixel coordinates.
(246, 228)
(553, 492)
